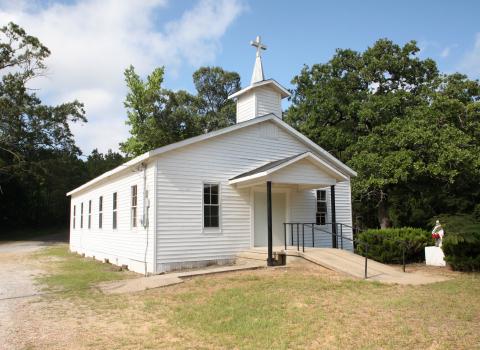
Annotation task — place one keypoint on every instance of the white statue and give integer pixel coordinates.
(437, 234)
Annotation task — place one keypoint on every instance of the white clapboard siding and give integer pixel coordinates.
(302, 172)
(124, 245)
(268, 101)
(181, 173)
(258, 102)
(343, 205)
(303, 209)
(246, 107)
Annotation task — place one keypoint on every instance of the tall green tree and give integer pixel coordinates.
(410, 132)
(34, 138)
(158, 116)
(98, 163)
(214, 85)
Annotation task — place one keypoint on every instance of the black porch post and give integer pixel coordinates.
(334, 217)
(269, 220)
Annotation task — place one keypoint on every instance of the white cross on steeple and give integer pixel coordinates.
(258, 44)
(257, 75)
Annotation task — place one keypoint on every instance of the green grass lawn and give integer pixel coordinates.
(299, 307)
(74, 275)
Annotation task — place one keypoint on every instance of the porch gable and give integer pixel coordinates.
(305, 170)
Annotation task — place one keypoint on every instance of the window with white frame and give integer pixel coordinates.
(211, 206)
(114, 211)
(100, 212)
(74, 214)
(321, 216)
(134, 206)
(89, 214)
(81, 215)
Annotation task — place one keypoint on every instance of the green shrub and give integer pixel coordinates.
(386, 245)
(461, 243)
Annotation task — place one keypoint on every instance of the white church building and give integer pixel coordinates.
(205, 199)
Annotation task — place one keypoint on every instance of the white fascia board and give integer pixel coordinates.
(146, 156)
(209, 135)
(173, 146)
(316, 147)
(114, 171)
(318, 162)
(283, 92)
(248, 178)
(322, 164)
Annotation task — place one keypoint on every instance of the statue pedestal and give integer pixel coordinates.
(434, 256)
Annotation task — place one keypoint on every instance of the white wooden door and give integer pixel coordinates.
(260, 219)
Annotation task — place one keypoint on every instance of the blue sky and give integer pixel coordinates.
(310, 31)
(93, 41)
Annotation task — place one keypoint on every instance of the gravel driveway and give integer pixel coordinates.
(17, 286)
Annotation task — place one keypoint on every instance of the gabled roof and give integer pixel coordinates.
(267, 166)
(270, 82)
(269, 117)
(275, 166)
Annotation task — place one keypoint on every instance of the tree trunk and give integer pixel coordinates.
(383, 218)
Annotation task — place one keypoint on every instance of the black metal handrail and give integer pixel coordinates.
(338, 234)
(353, 240)
(313, 225)
(403, 242)
(355, 230)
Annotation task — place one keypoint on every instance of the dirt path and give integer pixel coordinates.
(17, 286)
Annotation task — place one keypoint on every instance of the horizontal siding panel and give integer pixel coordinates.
(302, 172)
(124, 245)
(269, 101)
(180, 176)
(245, 107)
(303, 209)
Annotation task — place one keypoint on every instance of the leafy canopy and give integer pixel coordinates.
(411, 133)
(158, 116)
(38, 155)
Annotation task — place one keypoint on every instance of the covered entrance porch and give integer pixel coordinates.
(277, 189)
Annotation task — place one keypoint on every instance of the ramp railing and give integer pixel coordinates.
(297, 230)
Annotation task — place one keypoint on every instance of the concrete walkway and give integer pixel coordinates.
(342, 261)
(348, 263)
(169, 279)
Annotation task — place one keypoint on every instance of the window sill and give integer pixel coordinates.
(213, 231)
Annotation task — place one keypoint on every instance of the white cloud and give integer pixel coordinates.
(470, 64)
(445, 52)
(92, 42)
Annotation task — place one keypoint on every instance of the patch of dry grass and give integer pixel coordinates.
(299, 307)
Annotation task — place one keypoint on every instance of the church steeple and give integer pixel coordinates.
(257, 74)
(262, 96)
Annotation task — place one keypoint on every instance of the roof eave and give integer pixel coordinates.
(338, 176)
(146, 156)
(283, 92)
(317, 148)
